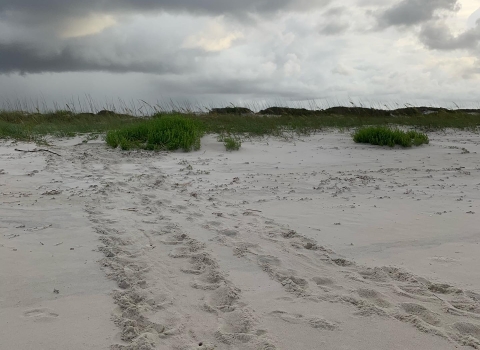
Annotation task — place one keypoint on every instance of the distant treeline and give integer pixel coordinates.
(355, 111)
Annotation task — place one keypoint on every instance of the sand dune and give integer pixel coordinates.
(312, 243)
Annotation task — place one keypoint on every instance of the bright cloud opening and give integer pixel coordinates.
(93, 24)
(215, 37)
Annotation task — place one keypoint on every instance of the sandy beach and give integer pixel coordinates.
(300, 243)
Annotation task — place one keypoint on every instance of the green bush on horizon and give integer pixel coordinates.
(160, 133)
(384, 136)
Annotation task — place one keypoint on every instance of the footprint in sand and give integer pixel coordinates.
(314, 322)
(326, 284)
(443, 289)
(237, 327)
(373, 296)
(42, 314)
(473, 295)
(467, 333)
(466, 304)
(323, 281)
(422, 312)
(469, 329)
(228, 232)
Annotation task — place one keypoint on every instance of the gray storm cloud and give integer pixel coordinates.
(439, 36)
(32, 39)
(23, 58)
(414, 12)
(336, 21)
(334, 28)
(434, 33)
(215, 7)
(298, 49)
(115, 51)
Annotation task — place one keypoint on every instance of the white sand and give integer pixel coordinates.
(36, 234)
(316, 243)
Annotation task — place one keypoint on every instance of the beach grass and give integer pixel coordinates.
(162, 132)
(130, 131)
(232, 143)
(35, 126)
(384, 136)
(347, 118)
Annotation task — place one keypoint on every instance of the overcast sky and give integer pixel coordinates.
(234, 51)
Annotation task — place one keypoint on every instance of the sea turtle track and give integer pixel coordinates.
(153, 228)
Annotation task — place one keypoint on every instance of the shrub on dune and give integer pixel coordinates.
(160, 133)
(384, 136)
(232, 144)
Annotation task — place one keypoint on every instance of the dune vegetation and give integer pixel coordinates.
(173, 129)
(158, 133)
(384, 136)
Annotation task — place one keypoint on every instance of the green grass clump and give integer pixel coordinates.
(232, 144)
(384, 136)
(159, 133)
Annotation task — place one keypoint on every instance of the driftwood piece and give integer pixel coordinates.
(37, 150)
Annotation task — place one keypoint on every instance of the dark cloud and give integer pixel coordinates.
(264, 48)
(33, 31)
(334, 28)
(414, 12)
(27, 58)
(335, 11)
(439, 36)
(214, 7)
(335, 21)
